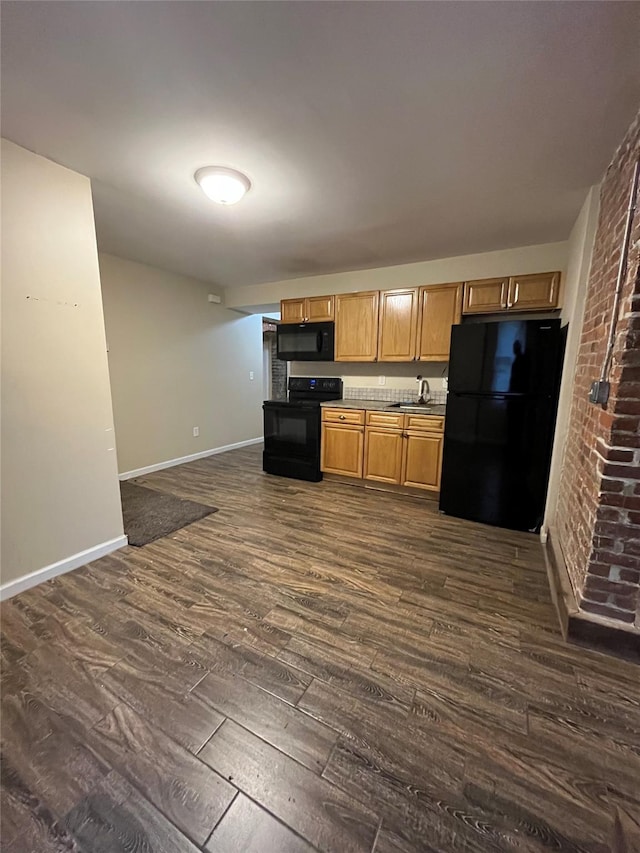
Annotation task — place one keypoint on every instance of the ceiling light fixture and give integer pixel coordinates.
(224, 186)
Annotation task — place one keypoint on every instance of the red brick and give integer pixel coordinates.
(625, 472)
(608, 611)
(614, 454)
(626, 603)
(631, 546)
(611, 486)
(630, 576)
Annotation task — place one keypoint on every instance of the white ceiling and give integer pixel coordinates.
(373, 133)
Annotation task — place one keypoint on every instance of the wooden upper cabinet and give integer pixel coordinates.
(440, 309)
(313, 309)
(319, 309)
(398, 325)
(485, 296)
(528, 292)
(292, 310)
(538, 292)
(357, 326)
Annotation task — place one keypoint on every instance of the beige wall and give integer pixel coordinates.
(526, 259)
(177, 361)
(59, 476)
(580, 249)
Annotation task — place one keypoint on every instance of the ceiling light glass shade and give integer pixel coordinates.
(224, 186)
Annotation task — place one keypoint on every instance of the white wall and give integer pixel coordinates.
(60, 492)
(580, 250)
(526, 259)
(177, 361)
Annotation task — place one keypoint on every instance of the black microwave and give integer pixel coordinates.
(305, 341)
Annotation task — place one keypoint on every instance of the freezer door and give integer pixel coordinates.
(514, 356)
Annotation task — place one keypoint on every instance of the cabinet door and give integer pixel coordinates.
(292, 310)
(357, 326)
(383, 455)
(422, 460)
(398, 325)
(319, 309)
(530, 292)
(485, 296)
(440, 309)
(342, 450)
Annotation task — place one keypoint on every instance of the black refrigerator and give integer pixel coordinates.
(504, 379)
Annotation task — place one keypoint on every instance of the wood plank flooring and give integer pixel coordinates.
(315, 667)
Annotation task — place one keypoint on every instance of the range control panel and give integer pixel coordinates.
(328, 385)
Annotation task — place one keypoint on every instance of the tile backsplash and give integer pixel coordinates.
(390, 381)
(393, 395)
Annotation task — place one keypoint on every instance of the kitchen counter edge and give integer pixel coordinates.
(380, 406)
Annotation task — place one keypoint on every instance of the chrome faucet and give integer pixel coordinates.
(424, 392)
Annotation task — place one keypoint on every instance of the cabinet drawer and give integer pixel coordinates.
(388, 420)
(424, 423)
(343, 416)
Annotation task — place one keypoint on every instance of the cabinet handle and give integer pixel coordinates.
(343, 417)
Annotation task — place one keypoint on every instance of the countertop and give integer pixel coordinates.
(381, 406)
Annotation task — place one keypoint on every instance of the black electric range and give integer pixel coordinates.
(292, 428)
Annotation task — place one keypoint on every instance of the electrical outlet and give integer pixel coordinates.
(251, 375)
(382, 380)
(196, 432)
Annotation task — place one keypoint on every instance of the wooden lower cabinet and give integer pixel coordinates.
(383, 455)
(342, 449)
(422, 460)
(392, 448)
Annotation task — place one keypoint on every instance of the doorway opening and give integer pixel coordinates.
(274, 371)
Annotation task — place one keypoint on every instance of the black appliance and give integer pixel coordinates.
(305, 341)
(292, 428)
(504, 379)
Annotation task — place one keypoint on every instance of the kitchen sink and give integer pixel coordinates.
(423, 408)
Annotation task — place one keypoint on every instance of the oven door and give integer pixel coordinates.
(292, 440)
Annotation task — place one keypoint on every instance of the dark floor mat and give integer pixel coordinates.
(148, 515)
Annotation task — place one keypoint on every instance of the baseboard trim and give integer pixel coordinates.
(559, 584)
(170, 463)
(7, 590)
(577, 625)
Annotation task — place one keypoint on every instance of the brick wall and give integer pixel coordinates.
(599, 495)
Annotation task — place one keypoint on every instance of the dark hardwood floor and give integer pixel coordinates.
(315, 667)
